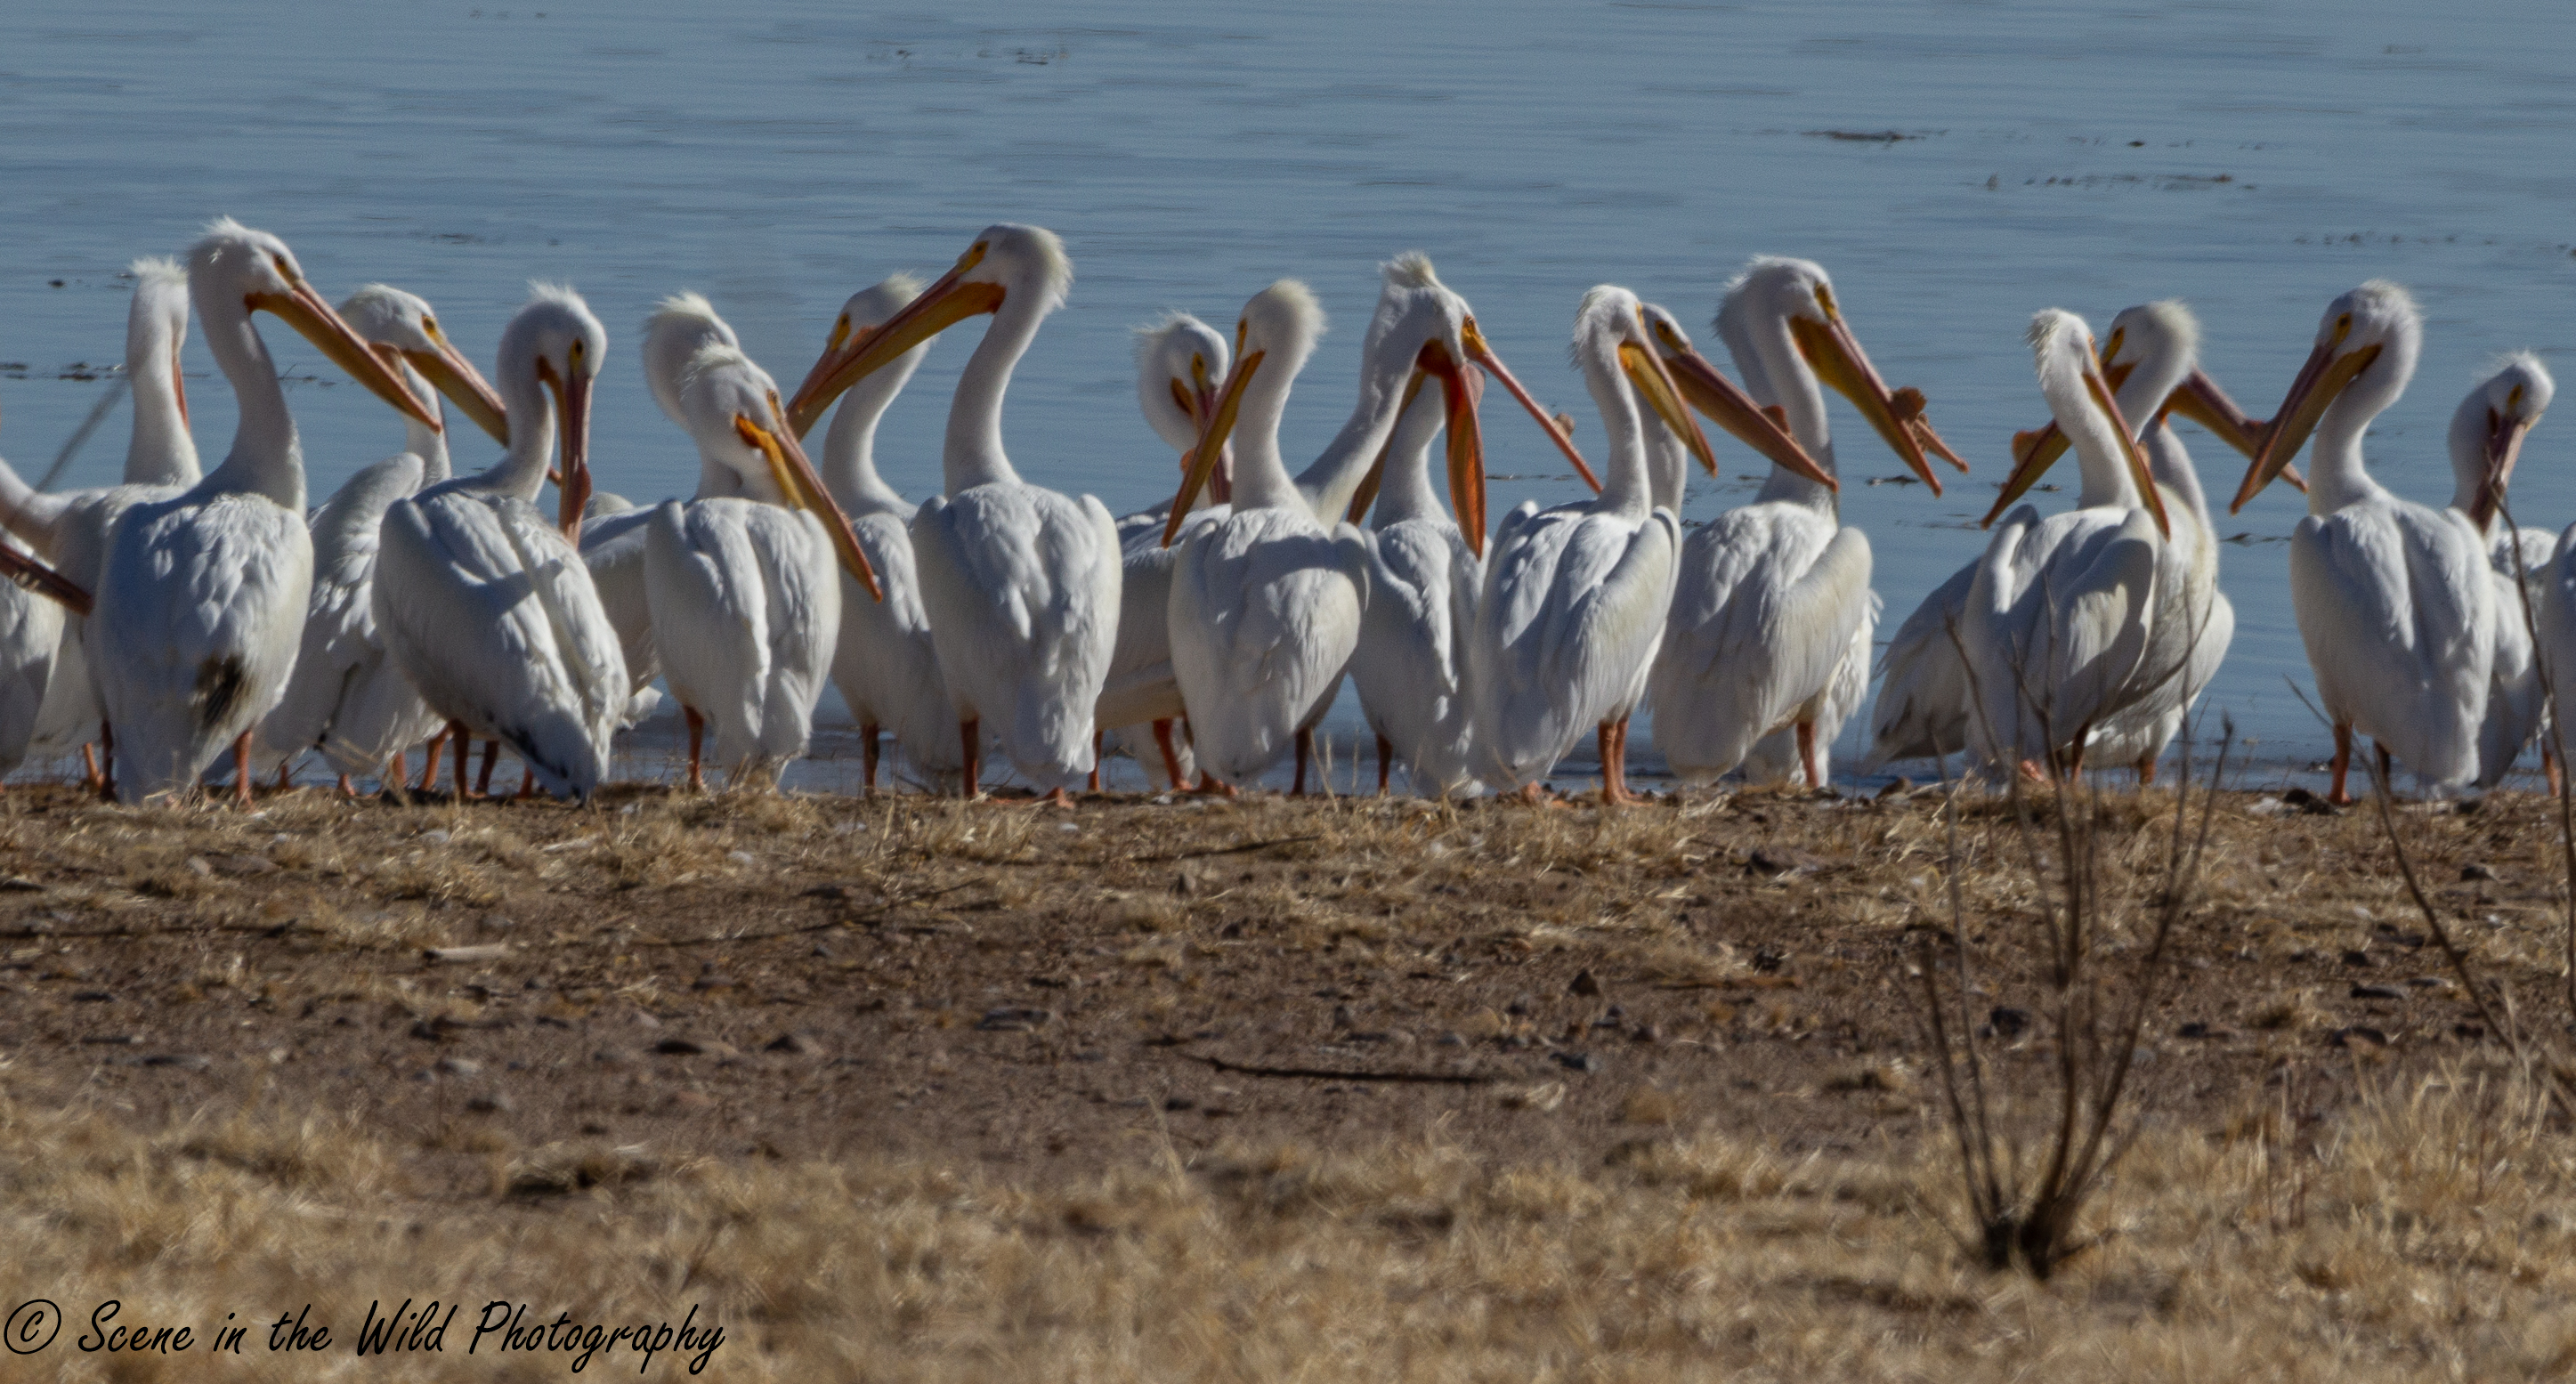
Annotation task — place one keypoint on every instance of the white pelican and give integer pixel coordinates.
(1021, 583)
(2487, 431)
(1923, 702)
(1265, 603)
(1773, 613)
(202, 597)
(487, 607)
(1410, 668)
(68, 530)
(2064, 610)
(1179, 363)
(1575, 596)
(2395, 599)
(612, 530)
(346, 698)
(746, 609)
(2152, 367)
(884, 663)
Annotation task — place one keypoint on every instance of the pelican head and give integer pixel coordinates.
(234, 271)
(1612, 340)
(2487, 432)
(1020, 267)
(2087, 409)
(867, 311)
(399, 322)
(2368, 337)
(1272, 339)
(732, 410)
(1765, 430)
(2162, 339)
(554, 345)
(1798, 292)
(1180, 361)
(681, 325)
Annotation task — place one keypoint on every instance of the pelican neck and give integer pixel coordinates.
(160, 450)
(1627, 489)
(530, 406)
(1333, 480)
(1405, 490)
(849, 464)
(1777, 376)
(266, 458)
(972, 454)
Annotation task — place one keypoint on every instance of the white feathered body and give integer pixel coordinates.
(1265, 612)
(885, 663)
(2396, 606)
(31, 642)
(70, 716)
(198, 615)
(1566, 629)
(1411, 664)
(1141, 686)
(346, 697)
(2057, 628)
(2516, 703)
(1774, 758)
(1021, 585)
(490, 612)
(1767, 603)
(612, 547)
(746, 599)
(1922, 710)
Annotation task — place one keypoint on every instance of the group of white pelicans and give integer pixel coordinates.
(155, 625)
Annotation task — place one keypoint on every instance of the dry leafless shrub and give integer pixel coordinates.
(2025, 1204)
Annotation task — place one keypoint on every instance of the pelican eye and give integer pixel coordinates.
(430, 325)
(1825, 300)
(2513, 401)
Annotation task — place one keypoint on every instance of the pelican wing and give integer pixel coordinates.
(612, 546)
(1764, 613)
(2058, 622)
(491, 614)
(1922, 710)
(2395, 604)
(1573, 611)
(205, 599)
(339, 641)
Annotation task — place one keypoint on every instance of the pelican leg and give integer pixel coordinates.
(89, 767)
(241, 769)
(491, 756)
(527, 782)
(1385, 756)
(1171, 757)
(286, 775)
(2386, 778)
(2147, 771)
(464, 739)
(429, 766)
(1098, 738)
(1057, 797)
(2342, 763)
(1806, 751)
(697, 737)
(966, 731)
(1614, 763)
(347, 789)
(107, 761)
(1305, 748)
(868, 755)
(2549, 766)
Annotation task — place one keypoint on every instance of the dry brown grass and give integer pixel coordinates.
(2425, 1235)
(2417, 1229)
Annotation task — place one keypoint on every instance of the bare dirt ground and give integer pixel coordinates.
(903, 1088)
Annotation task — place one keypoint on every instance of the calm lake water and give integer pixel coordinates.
(2255, 159)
